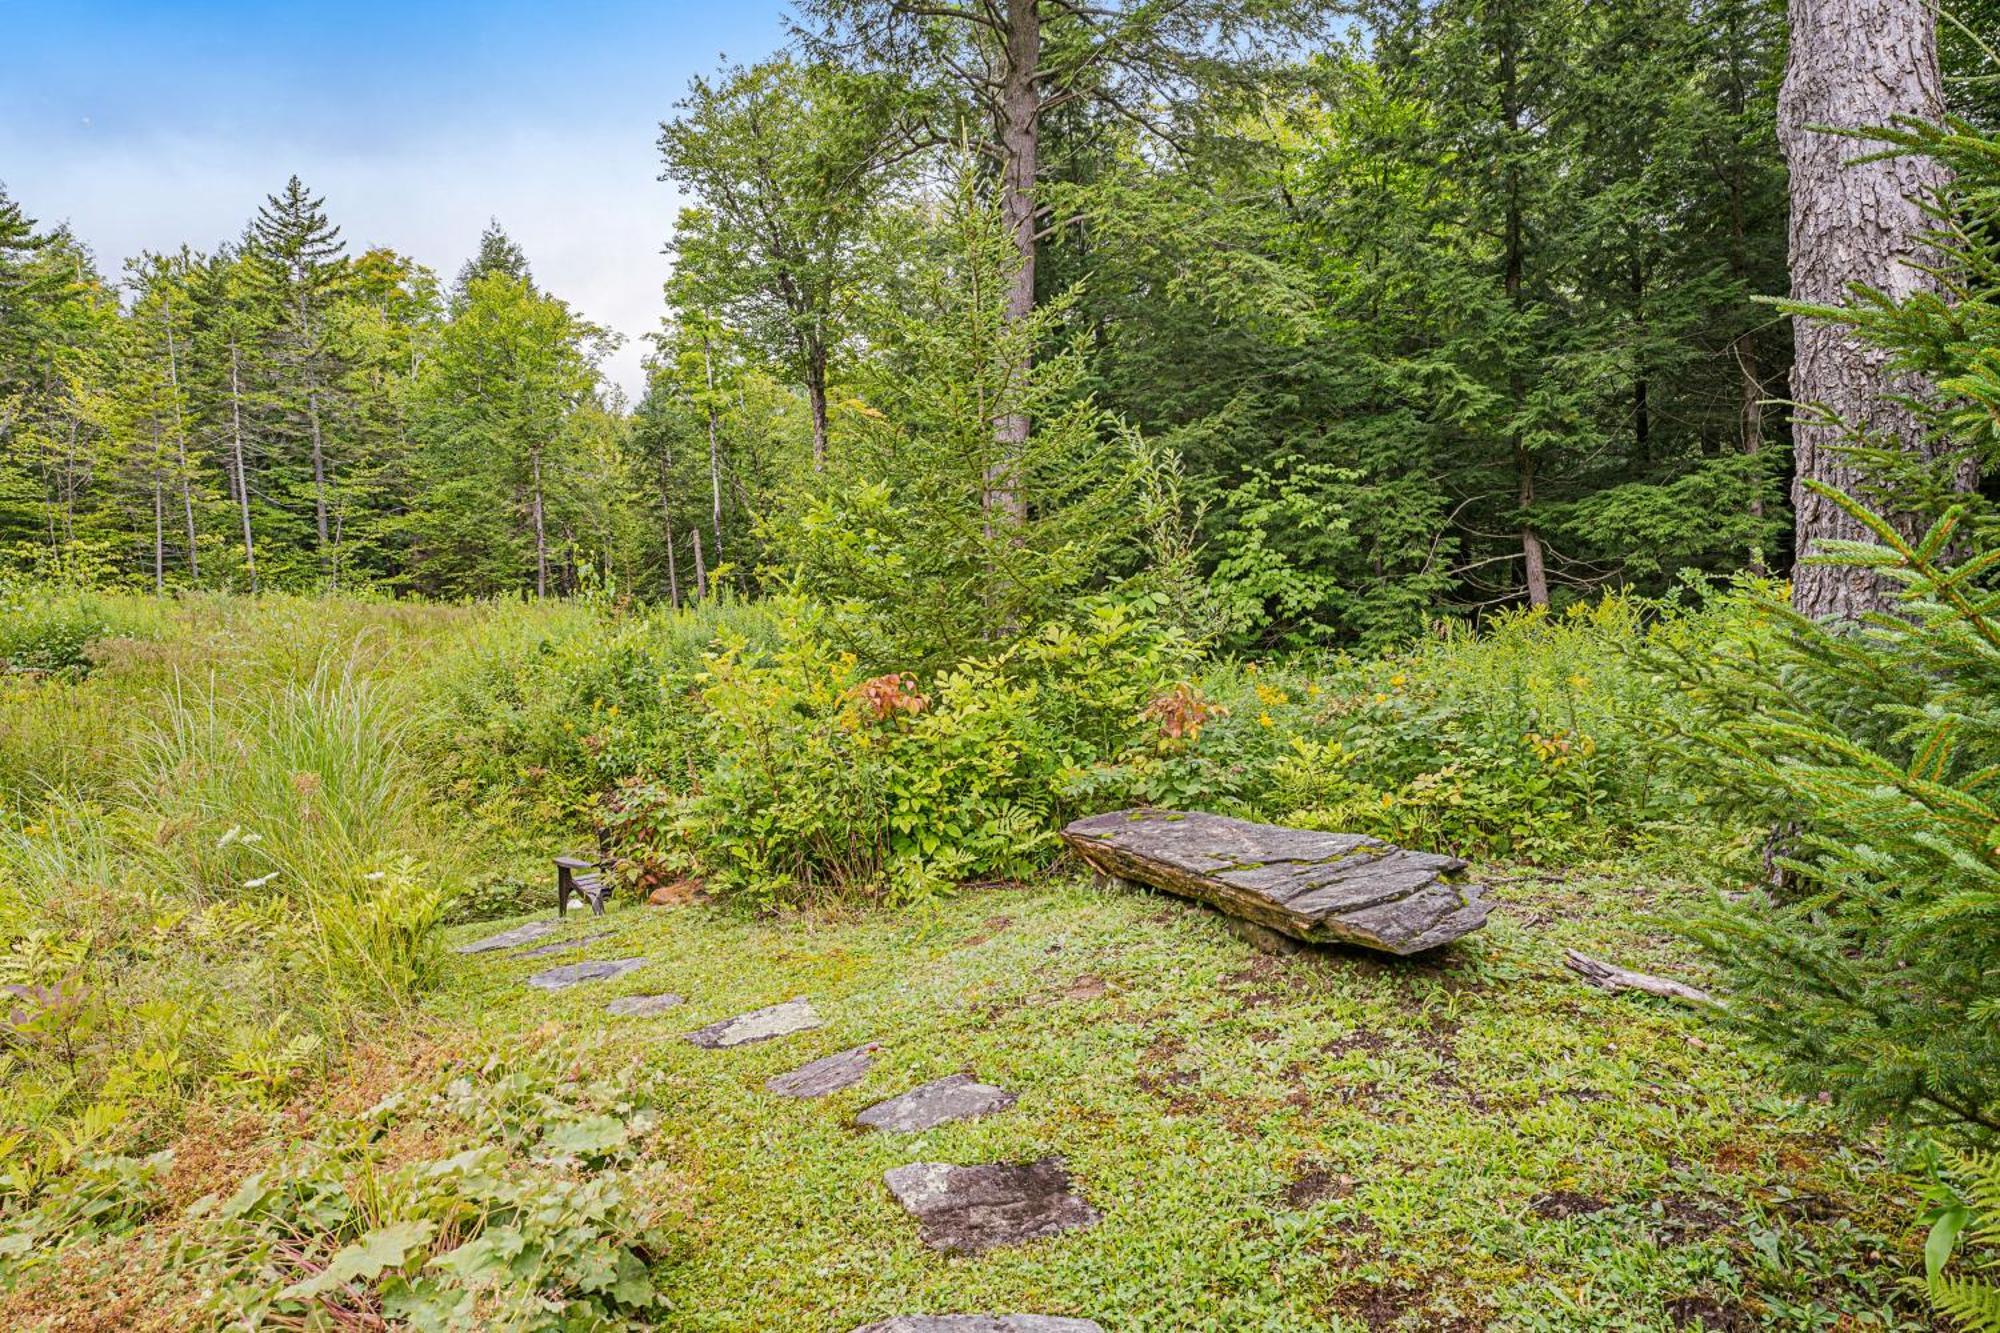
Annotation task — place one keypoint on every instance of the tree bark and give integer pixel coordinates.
(816, 397)
(667, 514)
(236, 448)
(159, 520)
(1534, 564)
(700, 569)
(1853, 64)
(714, 455)
(319, 476)
(180, 437)
(541, 531)
(1019, 114)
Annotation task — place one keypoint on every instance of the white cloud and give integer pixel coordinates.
(584, 204)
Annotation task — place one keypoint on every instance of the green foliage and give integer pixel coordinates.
(537, 1224)
(928, 535)
(826, 781)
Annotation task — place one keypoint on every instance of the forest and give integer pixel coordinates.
(1554, 438)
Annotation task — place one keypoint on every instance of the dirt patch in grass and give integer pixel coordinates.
(1089, 986)
(1704, 1312)
(1366, 1040)
(988, 928)
(1559, 1204)
(1686, 1218)
(1314, 1183)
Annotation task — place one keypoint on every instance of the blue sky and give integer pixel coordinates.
(146, 125)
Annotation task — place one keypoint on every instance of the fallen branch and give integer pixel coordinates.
(1608, 976)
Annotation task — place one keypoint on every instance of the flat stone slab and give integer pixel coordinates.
(981, 1323)
(971, 1209)
(775, 1020)
(564, 946)
(933, 1104)
(571, 974)
(828, 1074)
(1325, 888)
(643, 1006)
(508, 939)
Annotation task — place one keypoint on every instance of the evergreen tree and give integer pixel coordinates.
(299, 264)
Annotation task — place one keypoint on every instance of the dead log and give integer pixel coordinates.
(1611, 977)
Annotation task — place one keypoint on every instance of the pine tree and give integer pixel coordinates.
(299, 263)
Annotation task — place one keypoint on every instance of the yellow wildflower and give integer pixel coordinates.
(1264, 720)
(1398, 681)
(1381, 698)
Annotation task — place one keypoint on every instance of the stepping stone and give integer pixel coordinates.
(829, 1073)
(971, 1209)
(643, 1006)
(948, 1099)
(507, 939)
(563, 946)
(776, 1020)
(981, 1323)
(571, 974)
(1324, 888)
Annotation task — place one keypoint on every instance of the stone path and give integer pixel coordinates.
(643, 1006)
(564, 946)
(934, 1104)
(507, 939)
(972, 1209)
(571, 974)
(981, 1323)
(828, 1074)
(777, 1020)
(959, 1209)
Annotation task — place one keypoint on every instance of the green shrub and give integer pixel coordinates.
(826, 781)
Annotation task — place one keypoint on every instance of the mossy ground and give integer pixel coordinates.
(1329, 1139)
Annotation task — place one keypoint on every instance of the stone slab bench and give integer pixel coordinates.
(1325, 888)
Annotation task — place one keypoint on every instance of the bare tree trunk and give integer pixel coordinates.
(667, 513)
(1020, 147)
(714, 454)
(236, 448)
(700, 570)
(1853, 64)
(816, 398)
(541, 531)
(180, 437)
(319, 479)
(1533, 562)
(159, 521)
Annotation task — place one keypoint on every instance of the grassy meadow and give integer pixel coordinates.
(247, 1084)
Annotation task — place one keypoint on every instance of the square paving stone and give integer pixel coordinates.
(933, 1104)
(564, 946)
(571, 974)
(981, 1323)
(776, 1020)
(829, 1073)
(971, 1209)
(643, 1006)
(507, 939)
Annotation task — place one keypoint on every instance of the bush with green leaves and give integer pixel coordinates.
(828, 780)
(536, 1221)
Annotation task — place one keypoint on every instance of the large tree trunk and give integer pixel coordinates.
(816, 397)
(1020, 148)
(1534, 563)
(1853, 64)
